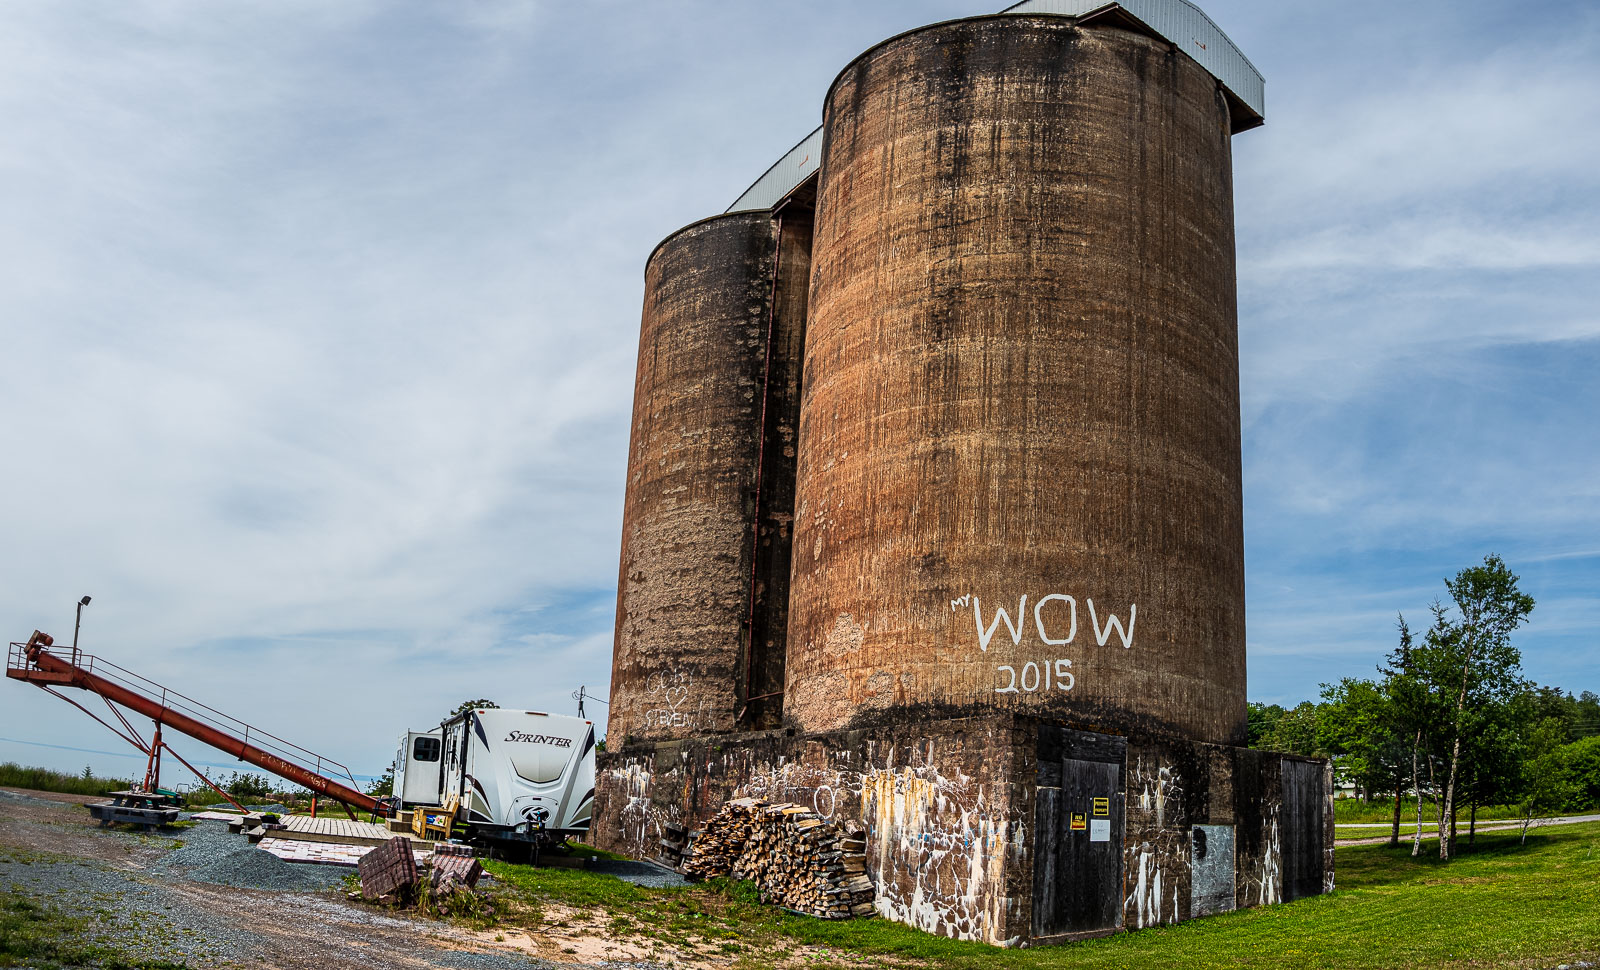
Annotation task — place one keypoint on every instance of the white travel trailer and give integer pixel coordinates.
(519, 778)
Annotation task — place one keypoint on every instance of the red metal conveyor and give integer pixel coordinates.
(37, 664)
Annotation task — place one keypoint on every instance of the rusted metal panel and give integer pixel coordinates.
(1211, 888)
(1019, 464)
(691, 585)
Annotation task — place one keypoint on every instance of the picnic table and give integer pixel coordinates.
(146, 809)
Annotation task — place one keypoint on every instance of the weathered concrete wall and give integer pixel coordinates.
(711, 455)
(945, 845)
(1174, 787)
(948, 810)
(1019, 461)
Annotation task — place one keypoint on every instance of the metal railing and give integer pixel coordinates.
(17, 659)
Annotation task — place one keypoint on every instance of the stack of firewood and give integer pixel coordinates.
(797, 859)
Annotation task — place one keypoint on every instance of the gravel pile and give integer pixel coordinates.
(646, 874)
(210, 853)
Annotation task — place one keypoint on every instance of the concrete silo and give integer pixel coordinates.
(1010, 654)
(1019, 472)
(703, 584)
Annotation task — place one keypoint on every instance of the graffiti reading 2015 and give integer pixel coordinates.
(1055, 619)
(1036, 676)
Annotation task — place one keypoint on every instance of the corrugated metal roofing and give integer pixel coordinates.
(794, 167)
(1180, 22)
(1186, 26)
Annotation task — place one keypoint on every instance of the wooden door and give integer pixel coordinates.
(1303, 826)
(1078, 825)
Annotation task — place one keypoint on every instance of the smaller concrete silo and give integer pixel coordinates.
(703, 585)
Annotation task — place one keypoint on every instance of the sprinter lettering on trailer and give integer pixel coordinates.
(539, 739)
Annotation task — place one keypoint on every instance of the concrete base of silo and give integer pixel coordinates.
(1006, 828)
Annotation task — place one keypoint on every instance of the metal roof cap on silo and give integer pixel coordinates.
(1188, 28)
(797, 164)
(1178, 22)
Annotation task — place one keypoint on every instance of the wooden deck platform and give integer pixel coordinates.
(308, 829)
(330, 853)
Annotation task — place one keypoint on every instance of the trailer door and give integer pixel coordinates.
(421, 784)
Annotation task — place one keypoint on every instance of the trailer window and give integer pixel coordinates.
(425, 749)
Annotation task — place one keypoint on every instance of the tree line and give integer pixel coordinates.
(1449, 718)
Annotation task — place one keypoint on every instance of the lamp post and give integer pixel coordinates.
(75, 625)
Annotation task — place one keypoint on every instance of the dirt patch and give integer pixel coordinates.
(50, 822)
(580, 936)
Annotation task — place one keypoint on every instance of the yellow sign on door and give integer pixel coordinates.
(1102, 806)
(1079, 822)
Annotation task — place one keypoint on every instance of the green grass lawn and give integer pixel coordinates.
(1499, 904)
(36, 935)
(13, 775)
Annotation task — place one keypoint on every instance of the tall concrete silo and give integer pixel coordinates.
(1015, 627)
(1019, 467)
(703, 585)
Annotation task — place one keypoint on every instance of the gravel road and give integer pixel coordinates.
(207, 898)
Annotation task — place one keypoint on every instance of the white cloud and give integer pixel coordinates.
(320, 321)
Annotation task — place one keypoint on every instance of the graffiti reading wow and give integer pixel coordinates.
(1055, 619)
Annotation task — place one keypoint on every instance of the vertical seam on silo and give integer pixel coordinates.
(761, 452)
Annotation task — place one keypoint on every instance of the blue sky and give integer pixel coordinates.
(320, 322)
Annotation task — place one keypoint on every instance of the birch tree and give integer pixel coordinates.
(1471, 658)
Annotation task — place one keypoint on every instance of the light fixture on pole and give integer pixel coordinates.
(75, 625)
